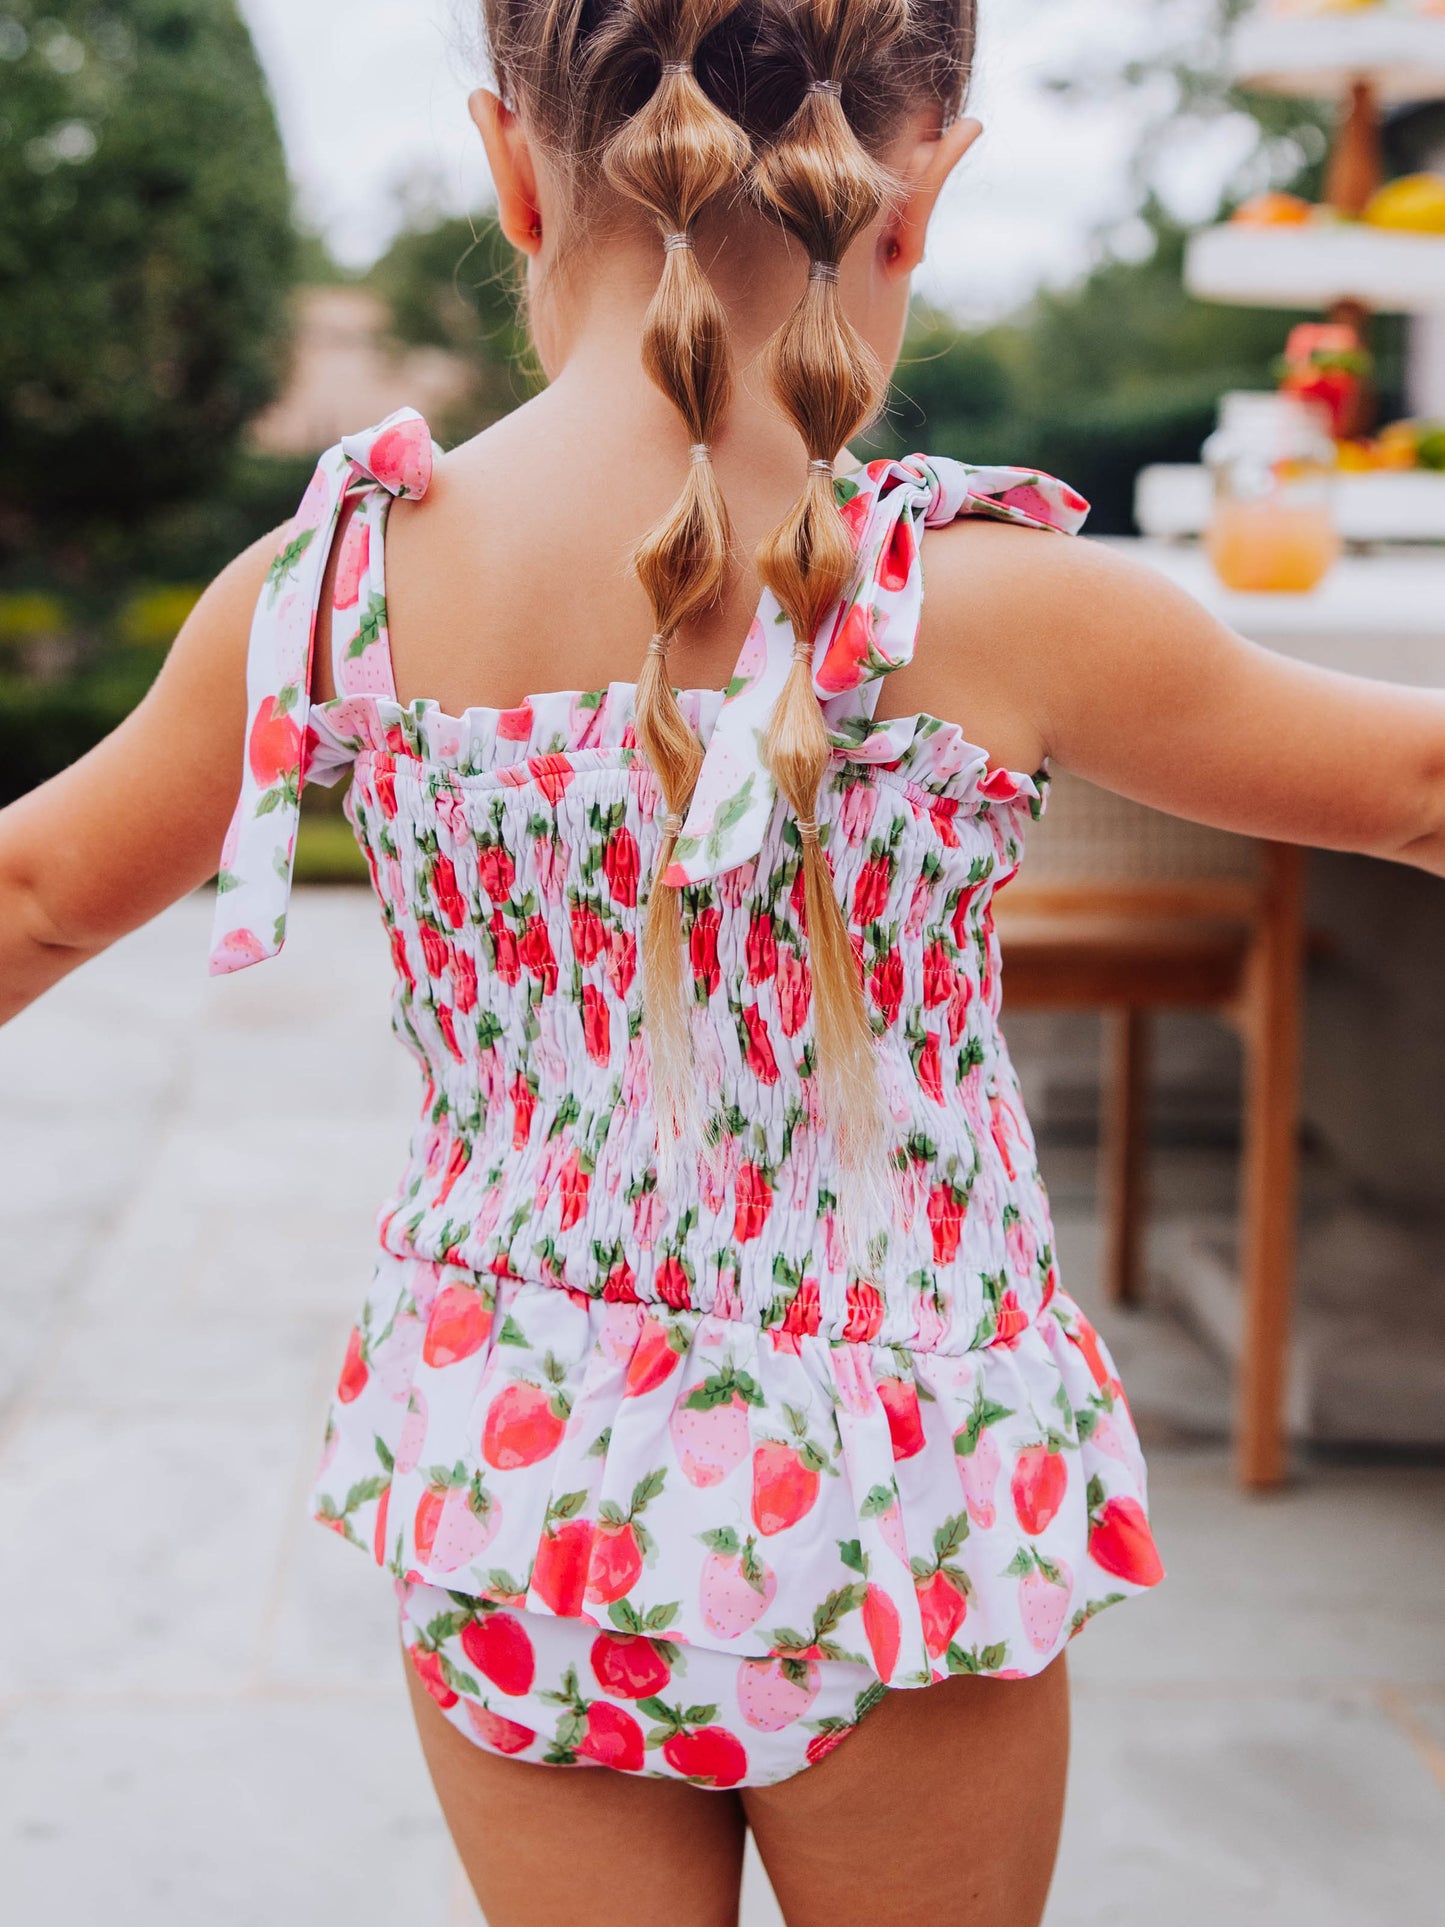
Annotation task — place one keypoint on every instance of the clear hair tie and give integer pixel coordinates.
(820, 466)
(822, 270)
(677, 66)
(675, 240)
(659, 645)
(808, 828)
(834, 87)
(700, 452)
(672, 824)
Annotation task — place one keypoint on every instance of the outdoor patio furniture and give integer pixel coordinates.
(1129, 912)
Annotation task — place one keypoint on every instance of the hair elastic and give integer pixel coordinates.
(700, 452)
(678, 238)
(672, 824)
(820, 466)
(808, 828)
(822, 270)
(834, 87)
(677, 66)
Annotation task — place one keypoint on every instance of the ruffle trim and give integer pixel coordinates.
(744, 1491)
(486, 742)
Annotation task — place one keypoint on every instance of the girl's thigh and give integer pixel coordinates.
(945, 1805)
(546, 1844)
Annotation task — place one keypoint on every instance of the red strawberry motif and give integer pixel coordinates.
(947, 1208)
(786, 1475)
(459, 1325)
(620, 1543)
(1120, 1540)
(886, 985)
(883, 1630)
(847, 654)
(621, 866)
(1039, 1484)
(613, 1738)
(378, 1543)
(762, 948)
(707, 1755)
(870, 893)
(942, 1588)
(496, 872)
(757, 1046)
(273, 747)
(753, 1201)
(629, 1666)
(525, 1422)
(596, 1024)
(497, 1644)
(899, 1397)
(428, 1664)
(702, 948)
(655, 1356)
(865, 1313)
(498, 1732)
(354, 1369)
(564, 1551)
(589, 933)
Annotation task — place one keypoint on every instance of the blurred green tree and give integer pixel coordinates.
(146, 252)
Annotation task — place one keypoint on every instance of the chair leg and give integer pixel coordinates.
(1273, 997)
(1121, 1152)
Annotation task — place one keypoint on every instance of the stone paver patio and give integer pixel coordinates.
(202, 1714)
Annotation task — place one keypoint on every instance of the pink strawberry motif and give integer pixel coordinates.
(401, 458)
(737, 1586)
(525, 1423)
(773, 1693)
(977, 1457)
(235, 951)
(459, 1325)
(456, 1519)
(352, 561)
(412, 1440)
(1045, 1589)
(559, 1572)
(498, 1645)
(621, 1543)
(1040, 1483)
(786, 1475)
(905, 1419)
(710, 1428)
(496, 1731)
(882, 1504)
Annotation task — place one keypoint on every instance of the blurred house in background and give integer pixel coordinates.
(346, 368)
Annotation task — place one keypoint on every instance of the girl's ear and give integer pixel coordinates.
(905, 234)
(514, 175)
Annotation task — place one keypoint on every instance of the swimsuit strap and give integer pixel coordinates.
(872, 630)
(282, 750)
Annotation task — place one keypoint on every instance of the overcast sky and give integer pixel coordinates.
(372, 94)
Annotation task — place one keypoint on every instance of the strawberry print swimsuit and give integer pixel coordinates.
(682, 1481)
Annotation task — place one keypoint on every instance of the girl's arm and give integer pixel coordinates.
(1132, 685)
(139, 821)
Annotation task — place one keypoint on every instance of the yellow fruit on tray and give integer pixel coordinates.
(1356, 457)
(1398, 446)
(1273, 210)
(1414, 204)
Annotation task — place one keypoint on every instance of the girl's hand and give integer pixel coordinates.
(139, 821)
(1127, 681)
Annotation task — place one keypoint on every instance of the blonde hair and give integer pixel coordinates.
(671, 104)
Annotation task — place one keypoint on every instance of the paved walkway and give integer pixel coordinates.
(201, 1708)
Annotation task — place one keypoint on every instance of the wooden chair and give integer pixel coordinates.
(1126, 911)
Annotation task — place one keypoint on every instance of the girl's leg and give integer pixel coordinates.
(945, 1805)
(547, 1844)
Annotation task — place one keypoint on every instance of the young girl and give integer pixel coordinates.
(716, 1406)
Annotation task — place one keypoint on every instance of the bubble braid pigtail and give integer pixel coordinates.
(677, 153)
(826, 188)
